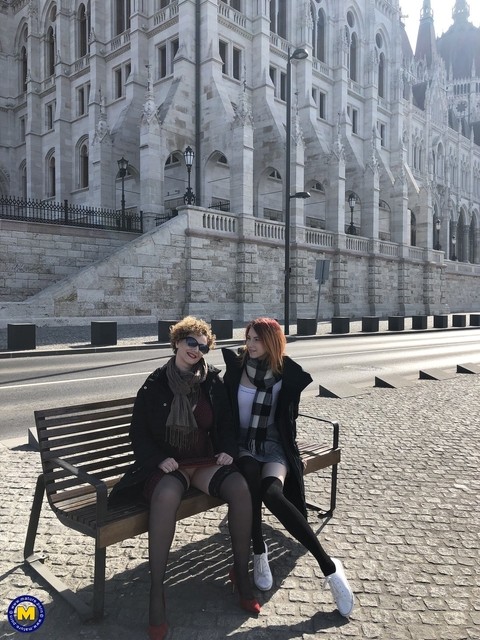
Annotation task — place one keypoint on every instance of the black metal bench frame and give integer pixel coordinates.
(84, 450)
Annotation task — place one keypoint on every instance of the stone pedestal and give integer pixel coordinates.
(306, 326)
(396, 323)
(164, 330)
(223, 329)
(21, 336)
(440, 321)
(340, 324)
(419, 322)
(370, 324)
(459, 320)
(103, 333)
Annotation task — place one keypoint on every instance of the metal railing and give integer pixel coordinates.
(220, 205)
(49, 212)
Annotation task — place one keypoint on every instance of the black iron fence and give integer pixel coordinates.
(220, 205)
(49, 212)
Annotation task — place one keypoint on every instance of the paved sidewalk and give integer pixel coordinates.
(407, 527)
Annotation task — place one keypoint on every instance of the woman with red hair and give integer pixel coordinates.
(264, 386)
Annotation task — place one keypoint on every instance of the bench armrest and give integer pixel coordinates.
(101, 488)
(334, 423)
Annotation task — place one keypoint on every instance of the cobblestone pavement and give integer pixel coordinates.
(407, 527)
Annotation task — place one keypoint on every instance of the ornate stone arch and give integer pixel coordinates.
(217, 181)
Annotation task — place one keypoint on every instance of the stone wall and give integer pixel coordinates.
(34, 256)
(219, 266)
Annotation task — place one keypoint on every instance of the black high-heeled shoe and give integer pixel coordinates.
(251, 605)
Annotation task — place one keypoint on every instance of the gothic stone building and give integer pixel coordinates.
(275, 98)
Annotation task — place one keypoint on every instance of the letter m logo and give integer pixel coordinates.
(26, 612)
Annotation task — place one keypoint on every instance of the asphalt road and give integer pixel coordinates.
(45, 381)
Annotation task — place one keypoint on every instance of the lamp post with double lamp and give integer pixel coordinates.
(298, 54)
(122, 170)
(352, 201)
(454, 242)
(189, 155)
(438, 224)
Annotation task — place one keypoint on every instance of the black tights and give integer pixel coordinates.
(165, 501)
(270, 491)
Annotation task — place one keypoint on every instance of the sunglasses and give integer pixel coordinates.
(192, 343)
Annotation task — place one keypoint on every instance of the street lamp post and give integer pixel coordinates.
(454, 242)
(189, 155)
(352, 201)
(298, 54)
(122, 170)
(438, 224)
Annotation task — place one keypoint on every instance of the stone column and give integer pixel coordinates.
(151, 165)
(241, 160)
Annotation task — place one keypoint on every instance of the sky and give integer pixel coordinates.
(442, 16)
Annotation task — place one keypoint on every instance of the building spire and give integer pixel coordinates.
(426, 40)
(426, 11)
(461, 10)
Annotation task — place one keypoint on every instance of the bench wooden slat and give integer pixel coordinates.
(92, 443)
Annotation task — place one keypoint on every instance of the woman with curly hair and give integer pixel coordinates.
(182, 435)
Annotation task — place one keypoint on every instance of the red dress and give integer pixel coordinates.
(198, 454)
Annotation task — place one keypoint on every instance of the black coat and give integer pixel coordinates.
(148, 429)
(294, 381)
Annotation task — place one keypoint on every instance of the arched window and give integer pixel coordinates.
(83, 166)
(439, 165)
(278, 17)
(82, 25)
(50, 52)
(352, 67)
(471, 244)
(413, 229)
(122, 16)
(23, 179)
(318, 35)
(51, 177)
(381, 76)
(23, 69)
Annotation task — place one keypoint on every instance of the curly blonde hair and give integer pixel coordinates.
(191, 326)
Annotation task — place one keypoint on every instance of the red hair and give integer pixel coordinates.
(273, 338)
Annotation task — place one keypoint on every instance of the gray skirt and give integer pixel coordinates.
(273, 453)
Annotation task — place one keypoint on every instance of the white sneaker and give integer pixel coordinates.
(340, 589)
(262, 576)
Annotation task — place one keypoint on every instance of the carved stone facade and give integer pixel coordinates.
(85, 84)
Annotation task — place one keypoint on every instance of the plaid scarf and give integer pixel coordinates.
(263, 379)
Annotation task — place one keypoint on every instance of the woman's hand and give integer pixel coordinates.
(224, 459)
(168, 465)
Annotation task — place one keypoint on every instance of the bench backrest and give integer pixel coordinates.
(92, 437)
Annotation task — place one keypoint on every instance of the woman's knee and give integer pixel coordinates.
(169, 490)
(228, 483)
(271, 487)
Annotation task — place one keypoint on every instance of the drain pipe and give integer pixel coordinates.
(198, 48)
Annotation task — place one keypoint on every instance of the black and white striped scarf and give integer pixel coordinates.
(263, 379)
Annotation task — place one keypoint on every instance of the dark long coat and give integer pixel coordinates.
(294, 381)
(148, 429)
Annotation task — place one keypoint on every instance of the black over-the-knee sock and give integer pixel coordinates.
(294, 522)
(252, 471)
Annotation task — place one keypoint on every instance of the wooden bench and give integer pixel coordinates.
(84, 450)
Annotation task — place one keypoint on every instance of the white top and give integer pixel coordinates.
(246, 396)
